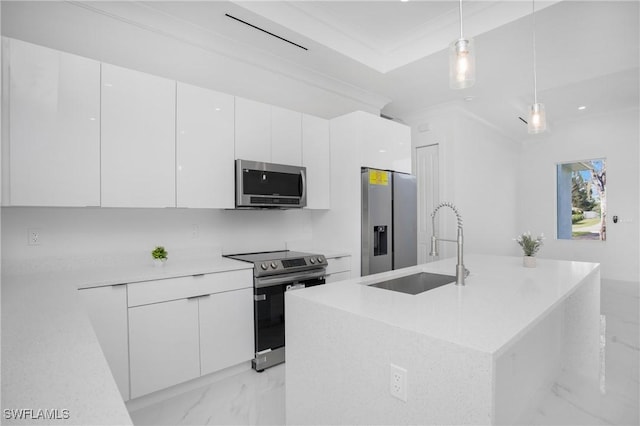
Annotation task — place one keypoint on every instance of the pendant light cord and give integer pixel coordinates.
(535, 85)
(461, 20)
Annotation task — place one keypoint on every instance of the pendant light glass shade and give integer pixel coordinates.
(537, 122)
(537, 118)
(462, 63)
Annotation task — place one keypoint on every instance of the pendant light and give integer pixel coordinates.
(462, 61)
(537, 117)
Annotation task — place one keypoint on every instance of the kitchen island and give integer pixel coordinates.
(483, 353)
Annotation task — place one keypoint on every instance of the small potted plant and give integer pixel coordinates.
(530, 247)
(159, 255)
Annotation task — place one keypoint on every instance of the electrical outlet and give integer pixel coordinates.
(195, 231)
(34, 236)
(398, 382)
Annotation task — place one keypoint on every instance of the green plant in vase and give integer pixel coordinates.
(159, 255)
(530, 247)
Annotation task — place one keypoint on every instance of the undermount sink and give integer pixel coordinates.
(416, 283)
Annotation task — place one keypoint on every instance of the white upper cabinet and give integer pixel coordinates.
(267, 133)
(253, 130)
(54, 127)
(286, 136)
(384, 144)
(204, 148)
(138, 139)
(316, 157)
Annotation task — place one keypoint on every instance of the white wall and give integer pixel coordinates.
(614, 137)
(478, 174)
(83, 234)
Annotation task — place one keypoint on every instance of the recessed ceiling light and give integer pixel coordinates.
(582, 107)
(468, 98)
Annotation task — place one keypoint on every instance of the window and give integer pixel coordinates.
(582, 201)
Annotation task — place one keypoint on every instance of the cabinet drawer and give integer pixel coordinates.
(339, 264)
(338, 276)
(147, 292)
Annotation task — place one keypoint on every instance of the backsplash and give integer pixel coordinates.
(76, 237)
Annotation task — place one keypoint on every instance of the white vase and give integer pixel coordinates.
(159, 262)
(529, 261)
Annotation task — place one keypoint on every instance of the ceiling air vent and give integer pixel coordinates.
(264, 31)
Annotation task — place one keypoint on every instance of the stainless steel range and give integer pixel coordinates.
(274, 273)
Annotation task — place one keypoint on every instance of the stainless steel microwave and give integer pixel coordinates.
(268, 185)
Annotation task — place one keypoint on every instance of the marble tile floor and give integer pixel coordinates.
(251, 398)
(248, 398)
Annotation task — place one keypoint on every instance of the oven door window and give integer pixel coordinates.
(269, 313)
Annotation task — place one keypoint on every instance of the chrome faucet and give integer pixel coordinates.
(461, 271)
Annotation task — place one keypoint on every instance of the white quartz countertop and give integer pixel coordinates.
(102, 275)
(51, 358)
(500, 301)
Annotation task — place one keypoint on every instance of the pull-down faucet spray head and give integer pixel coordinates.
(461, 271)
(434, 246)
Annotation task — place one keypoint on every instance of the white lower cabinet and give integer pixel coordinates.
(338, 269)
(226, 329)
(164, 345)
(182, 328)
(107, 309)
(338, 276)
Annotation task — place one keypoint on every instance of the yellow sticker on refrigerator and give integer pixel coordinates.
(378, 177)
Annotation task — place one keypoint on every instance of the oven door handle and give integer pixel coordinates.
(289, 278)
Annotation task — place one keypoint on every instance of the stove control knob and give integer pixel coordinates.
(264, 266)
(274, 265)
(320, 259)
(312, 260)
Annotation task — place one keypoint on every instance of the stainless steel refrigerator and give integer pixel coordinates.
(389, 221)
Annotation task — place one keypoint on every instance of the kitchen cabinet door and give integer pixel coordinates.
(338, 268)
(337, 276)
(164, 345)
(138, 139)
(253, 130)
(384, 144)
(316, 157)
(286, 136)
(226, 329)
(204, 148)
(54, 127)
(107, 309)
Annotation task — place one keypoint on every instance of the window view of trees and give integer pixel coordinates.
(582, 198)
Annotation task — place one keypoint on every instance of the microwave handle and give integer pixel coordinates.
(304, 184)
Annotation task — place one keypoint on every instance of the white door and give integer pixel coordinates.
(107, 308)
(316, 157)
(226, 329)
(163, 345)
(204, 148)
(428, 196)
(138, 145)
(286, 136)
(54, 127)
(253, 130)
